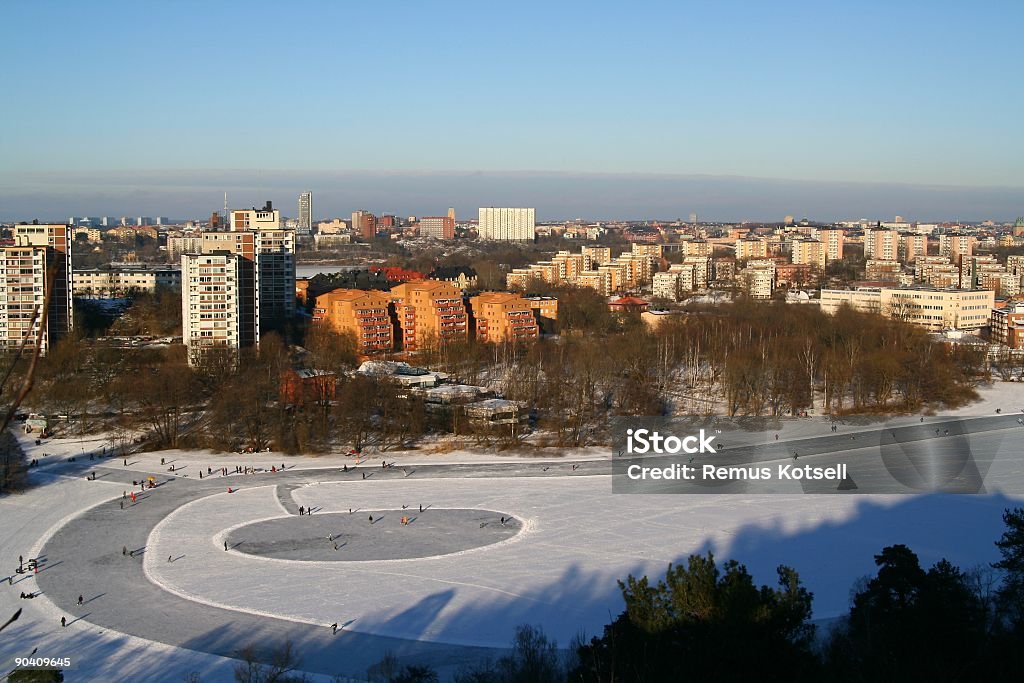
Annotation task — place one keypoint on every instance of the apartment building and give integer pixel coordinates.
(1007, 326)
(428, 312)
(545, 312)
(912, 247)
(758, 279)
(518, 225)
(882, 270)
(956, 246)
(503, 317)
(364, 224)
(124, 279)
(438, 227)
(176, 246)
(363, 314)
(934, 309)
(883, 245)
(39, 262)
(751, 247)
(832, 242)
(211, 304)
(810, 252)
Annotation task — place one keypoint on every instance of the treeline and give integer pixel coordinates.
(739, 359)
(906, 623)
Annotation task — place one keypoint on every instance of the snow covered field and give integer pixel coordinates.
(559, 570)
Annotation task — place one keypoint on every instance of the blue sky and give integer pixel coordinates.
(909, 93)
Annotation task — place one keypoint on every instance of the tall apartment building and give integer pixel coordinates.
(913, 247)
(364, 314)
(364, 224)
(956, 246)
(810, 252)
(305, 213)
(275, 278)
(503, 317)
(832, 242)
(883, 245)
(264, 280)
(519, 225)
(428, 312)
(176, 246)
(39, 259)
(253, 219)
(595, 256)
(751, 247)
(758, 279)
(1007, 326)
(211, 311)
(438, 227)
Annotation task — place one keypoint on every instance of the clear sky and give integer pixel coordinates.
(882, 92)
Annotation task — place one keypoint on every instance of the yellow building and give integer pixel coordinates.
(429, 311)
(364, 314)
(503, 317)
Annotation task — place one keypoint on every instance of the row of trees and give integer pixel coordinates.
(908, 623)
(738, 359)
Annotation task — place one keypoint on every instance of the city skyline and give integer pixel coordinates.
(797, 93)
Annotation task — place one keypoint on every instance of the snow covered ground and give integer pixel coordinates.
(559, 570)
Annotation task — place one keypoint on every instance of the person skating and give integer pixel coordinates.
(63, 622)
(80, 600)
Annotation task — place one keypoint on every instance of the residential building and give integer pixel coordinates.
(429, 312)
(956, 246)
(882, 245)
(595, 256)
(253, 219)
(503, 317)
(751, 247)
(211, 305)
(305, 213)
(116, 281)
(758, 278)
(545, 312)
(810, 252)
(298, 387)
(438, 227)
(264, 273)
(518, 225)
(934, 309)
(176, 246)
(462, 277)
(832, 242)
(364, 224)
(913, 246)
(365, 314)
(38, 263)
(1007, 326)
(880, 270)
